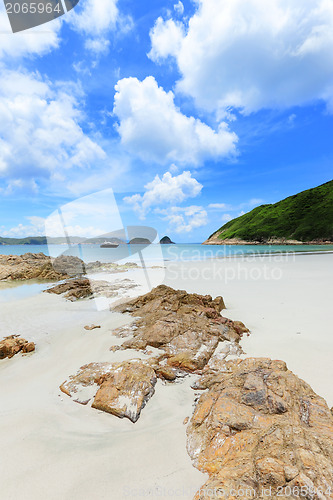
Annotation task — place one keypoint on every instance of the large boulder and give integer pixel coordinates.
(260, 429)
(125, 390)
(188, 327)
(14, 344)
(122, 389)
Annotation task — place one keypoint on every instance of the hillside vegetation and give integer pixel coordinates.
(306, 216)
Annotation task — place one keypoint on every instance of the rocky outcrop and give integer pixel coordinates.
(38, 266)
(75, 289)
(260, 429)
(166, 241)
(139, 241)
(14, 344)
(123, 389)
(110, 267)
(188, 327)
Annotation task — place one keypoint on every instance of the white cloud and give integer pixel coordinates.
(218, 206)
(36, 41)
(37, 228)
(185, 219)
(94, 17)
(152, 126)
(179, 8)
(97, 45)
(40, 132)
(226, 217)
(166, 38)
(254, 54)
(165, 190)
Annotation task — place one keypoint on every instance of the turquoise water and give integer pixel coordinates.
(179, 252)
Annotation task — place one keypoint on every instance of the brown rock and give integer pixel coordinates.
(126, 389)
(188, 327)
(83, 385)
(29, 347)
(37, 266)
(13, 344)
(75, 289)
(121, 389)
(92, 327)
(259, 426)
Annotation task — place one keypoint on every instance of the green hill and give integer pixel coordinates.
(305, 217)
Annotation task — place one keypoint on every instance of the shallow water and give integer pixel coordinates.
(17, 290)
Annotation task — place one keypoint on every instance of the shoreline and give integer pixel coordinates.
(48, 436)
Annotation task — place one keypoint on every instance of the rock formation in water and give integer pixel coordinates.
(39, 266)
(166, 241)
(14, 344)
(261, 427)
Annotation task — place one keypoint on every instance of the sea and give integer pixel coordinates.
(155, 252)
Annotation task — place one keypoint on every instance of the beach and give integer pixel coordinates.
(56, 448)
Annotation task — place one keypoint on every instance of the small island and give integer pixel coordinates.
(166, 241)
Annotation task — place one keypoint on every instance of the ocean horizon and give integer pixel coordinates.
(156, 252)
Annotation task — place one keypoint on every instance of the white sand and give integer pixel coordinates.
(286, 302)
(53, 448)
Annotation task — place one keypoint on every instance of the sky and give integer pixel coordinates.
(188, 114)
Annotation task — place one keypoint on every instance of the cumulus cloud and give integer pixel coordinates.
(36, 41)
(252, 55)
(185, 219)
(166, 38)
(166, 190)
(94, 17)
(40, 132)
(153, 127)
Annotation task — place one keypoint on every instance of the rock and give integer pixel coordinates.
(75, 289)
(82, 386)
(30, 266)
(188, 327)
(110, 267)
(166, 373)
(125, 390)
(166, 241)
(139, 241)
(186, 420)
(92, 327)
(13, 344)
(69, 266)
(29, 347)
(260, 426)
(122, 389)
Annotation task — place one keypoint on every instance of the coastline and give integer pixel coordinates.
(47, 436)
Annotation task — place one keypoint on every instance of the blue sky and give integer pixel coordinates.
(191, 112)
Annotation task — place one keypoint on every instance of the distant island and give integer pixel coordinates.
(73, 240)
(166, 241)
(304, 218)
